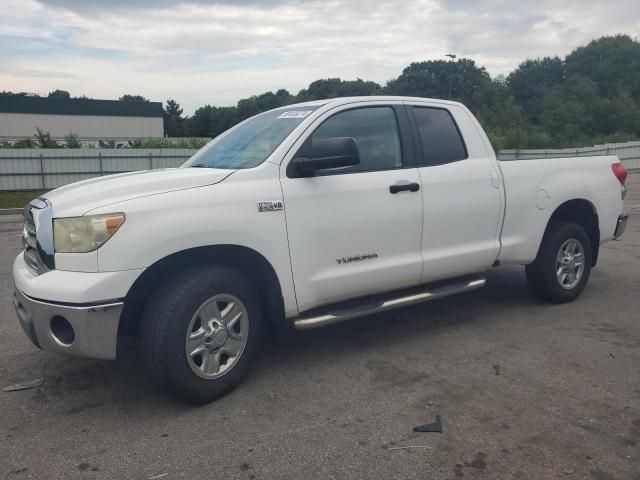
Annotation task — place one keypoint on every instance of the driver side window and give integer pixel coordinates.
(375, 131)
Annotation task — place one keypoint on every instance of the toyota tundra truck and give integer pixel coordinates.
(296, 218)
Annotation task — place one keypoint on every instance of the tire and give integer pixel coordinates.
(171, 313)
(542, 275)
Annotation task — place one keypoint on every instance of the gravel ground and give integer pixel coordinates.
(524, 389)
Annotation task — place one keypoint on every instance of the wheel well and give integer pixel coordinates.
(250, 262)
(583, 213)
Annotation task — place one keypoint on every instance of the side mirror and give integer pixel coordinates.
(337, 152)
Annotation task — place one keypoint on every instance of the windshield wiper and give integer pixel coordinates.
(200, 165)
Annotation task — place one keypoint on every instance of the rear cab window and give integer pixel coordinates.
(438, 135)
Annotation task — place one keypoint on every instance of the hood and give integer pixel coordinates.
(78, 198)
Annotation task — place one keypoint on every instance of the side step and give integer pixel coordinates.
(423, 294)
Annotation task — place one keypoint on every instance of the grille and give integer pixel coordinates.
(31, 256)
(32, 251)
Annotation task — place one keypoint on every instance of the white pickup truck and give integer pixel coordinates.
(300, 217)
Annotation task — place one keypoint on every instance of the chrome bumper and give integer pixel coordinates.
(621, 226)
(82, 330)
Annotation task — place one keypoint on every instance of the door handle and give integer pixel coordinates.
(411, 187)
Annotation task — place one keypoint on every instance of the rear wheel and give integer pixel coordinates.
(561, 270)
(200, 332)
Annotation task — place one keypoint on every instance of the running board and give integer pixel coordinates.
(419, 296)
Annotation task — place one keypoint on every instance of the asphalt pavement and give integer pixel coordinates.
(524, 390)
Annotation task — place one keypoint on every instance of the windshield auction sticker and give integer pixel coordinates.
(295, 114)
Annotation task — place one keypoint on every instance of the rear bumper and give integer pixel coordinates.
(86, 331)
(621, 226)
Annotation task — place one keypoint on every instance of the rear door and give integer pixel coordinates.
(351, 231)
(461, 192)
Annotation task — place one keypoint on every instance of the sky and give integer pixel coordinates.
(217, 51)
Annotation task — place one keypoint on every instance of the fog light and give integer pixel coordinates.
(62, 331)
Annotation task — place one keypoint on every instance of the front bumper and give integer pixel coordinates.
(621, 226)
(86, 330)
(76, 305)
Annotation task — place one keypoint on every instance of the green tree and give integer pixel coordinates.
(335, 87)
(174, 122)
(591, 96)
(44, 140)
(248, 107)
(503, 119)
(59, 94)
(613, 63)
(459, 80)
(530, 81)
(71, 140)
(573, 111)
(198, 124)
(133, 98)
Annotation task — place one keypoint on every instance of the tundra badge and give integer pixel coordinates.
(356, 258)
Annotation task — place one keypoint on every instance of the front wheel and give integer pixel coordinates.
(561, 270)
(200, 332)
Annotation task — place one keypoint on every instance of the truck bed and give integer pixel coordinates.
(536, 187)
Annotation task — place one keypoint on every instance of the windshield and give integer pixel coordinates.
(251, 142)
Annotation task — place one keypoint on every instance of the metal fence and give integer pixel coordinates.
(46, 169)
(628, 153)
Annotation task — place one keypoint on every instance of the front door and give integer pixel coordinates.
(349, 235)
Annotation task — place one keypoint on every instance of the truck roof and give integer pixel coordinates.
(346, 100)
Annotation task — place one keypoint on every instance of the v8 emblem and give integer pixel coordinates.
(270, 206)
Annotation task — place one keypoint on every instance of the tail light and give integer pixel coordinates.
(621, 174)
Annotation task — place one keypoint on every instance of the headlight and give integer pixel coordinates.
(84, 234)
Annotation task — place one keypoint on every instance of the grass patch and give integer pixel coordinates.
(17, 199)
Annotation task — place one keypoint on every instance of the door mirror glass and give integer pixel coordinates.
(326, 153)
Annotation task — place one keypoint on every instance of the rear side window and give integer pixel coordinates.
(439, 135)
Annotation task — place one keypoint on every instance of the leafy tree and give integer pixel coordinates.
(572, 111)
(211, 121)
(71, 141)
(529, 82)
(198, 123)
(44, 140)
(335, 87)
(459, 80)
(173, 119)
(613, 63)
(261, 103)
(59, 94)
(503, 119)
(591, 96)
(133, 98)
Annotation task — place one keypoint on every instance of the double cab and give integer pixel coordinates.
(300, 217)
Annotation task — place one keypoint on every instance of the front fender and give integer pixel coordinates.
(222, 214)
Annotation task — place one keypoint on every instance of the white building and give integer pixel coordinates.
(90, 120)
